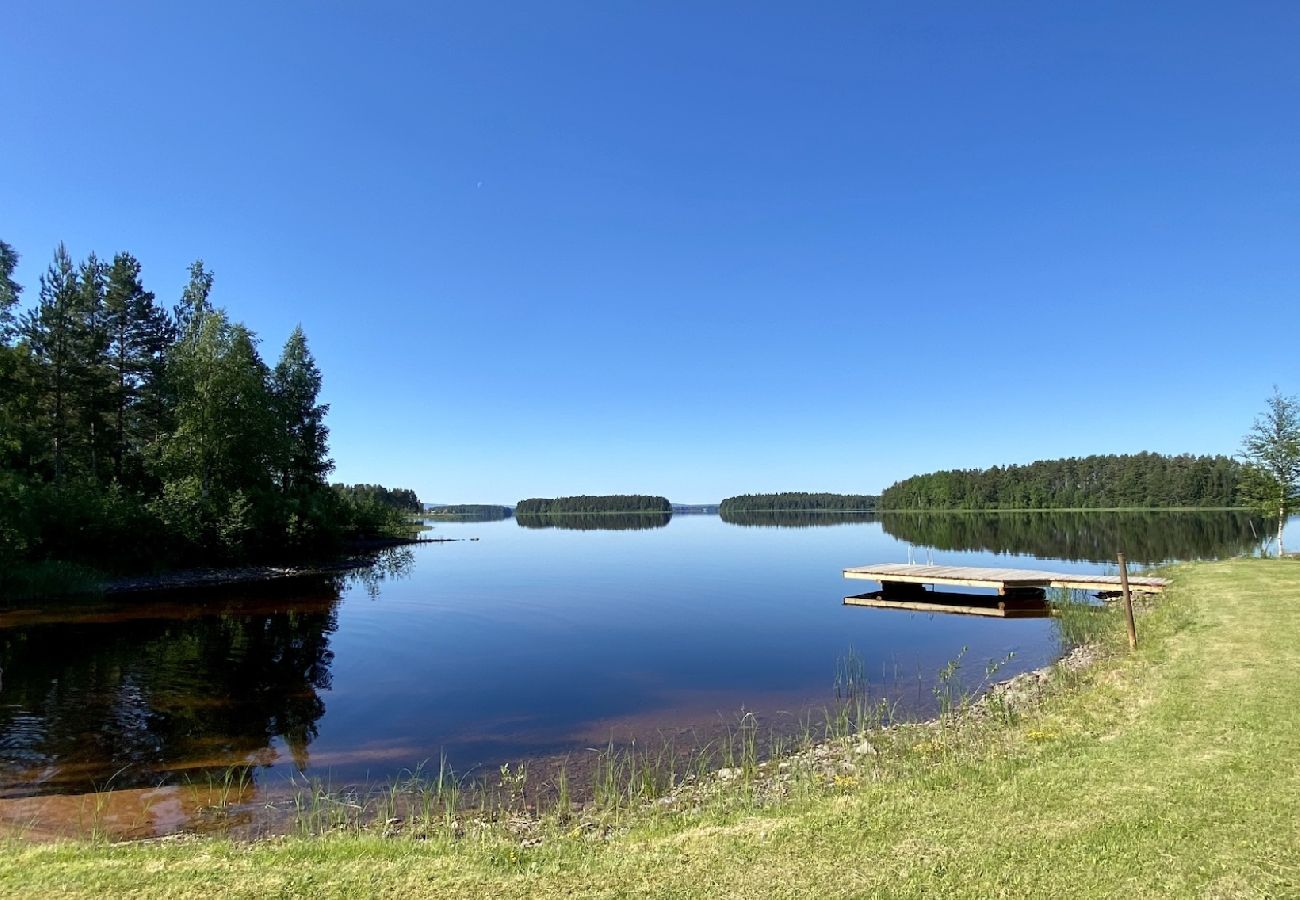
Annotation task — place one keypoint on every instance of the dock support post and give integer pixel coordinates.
(902, 590)
(1128, 603)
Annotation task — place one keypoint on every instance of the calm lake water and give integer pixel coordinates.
(528, 642)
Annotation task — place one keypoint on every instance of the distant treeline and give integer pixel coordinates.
(1145, 537)
(634, 521)
(797, 501)
(608, 503)
(392, 498)
(1090, 482)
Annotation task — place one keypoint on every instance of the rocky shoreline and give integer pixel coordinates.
(837, 762)
(834, 760)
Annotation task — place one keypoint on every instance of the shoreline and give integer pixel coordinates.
(1137, 773)
(356, 555)
(769, 777)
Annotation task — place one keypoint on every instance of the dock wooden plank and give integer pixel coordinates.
(1110, 582)
(1001, 579)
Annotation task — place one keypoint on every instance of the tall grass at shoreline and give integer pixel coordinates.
(749, 765)
(24, 581)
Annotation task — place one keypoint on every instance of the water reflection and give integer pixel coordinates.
(526, 644)
(469, 514)
(1147, 538)
(388, 565)
(139, 697)
(794, 518)
(595, 522)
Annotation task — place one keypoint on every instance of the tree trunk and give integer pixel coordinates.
(119, 451)
(58, 430)
(1281, 525)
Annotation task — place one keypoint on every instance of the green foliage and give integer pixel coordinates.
(9, 289)
(372, 510)
(139, 335)
(1272, 452)
(605, 503)
(402, 499)
(133, 438)
(48, 578)
(304, 458)
(1090, 482)
(797, 501)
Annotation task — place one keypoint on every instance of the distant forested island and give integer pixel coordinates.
(1091, 482)
(135, 437)
(797, 501)
(605, 503)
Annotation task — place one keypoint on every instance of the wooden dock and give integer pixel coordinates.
(958, 604)
(1021, 593)
(1004, 581)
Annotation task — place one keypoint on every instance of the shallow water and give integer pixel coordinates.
(528, 642)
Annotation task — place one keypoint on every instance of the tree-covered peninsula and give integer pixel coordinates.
(1142, 480)
(137, 437)
(403, 499)
(604, 503)
(797, 501)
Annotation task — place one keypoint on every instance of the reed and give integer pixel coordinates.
(1078, 617)
(747, 765)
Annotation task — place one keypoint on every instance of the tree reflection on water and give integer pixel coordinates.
(1147, 538)
(194, 683)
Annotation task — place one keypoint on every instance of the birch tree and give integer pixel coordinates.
(1272, 450)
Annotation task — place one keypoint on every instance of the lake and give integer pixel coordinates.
(537, 639)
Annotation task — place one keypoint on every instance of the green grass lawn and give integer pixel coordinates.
(1173, 772)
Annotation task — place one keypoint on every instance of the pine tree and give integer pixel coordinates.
(10, 356)
(139, 333)
(9, 291)
(49, 331)
(295, 384)
(92, 385)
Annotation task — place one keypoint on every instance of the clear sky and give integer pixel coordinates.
(692, 248)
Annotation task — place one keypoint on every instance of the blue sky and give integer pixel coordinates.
(695, 249)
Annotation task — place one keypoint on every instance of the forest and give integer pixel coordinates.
(605, 503)
(403, 499)
(135, 437)
(1142, 480)
(797, 501)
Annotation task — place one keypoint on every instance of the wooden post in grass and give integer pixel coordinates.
(1128, 603)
